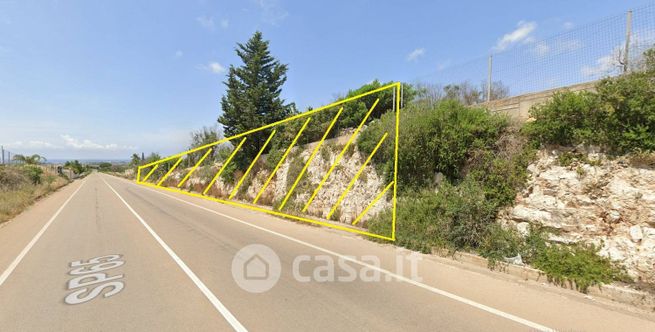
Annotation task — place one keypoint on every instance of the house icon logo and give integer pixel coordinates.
(256, 268)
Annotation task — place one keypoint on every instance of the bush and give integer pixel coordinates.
(418, 225)
(500, 243)
(579, 264)
(620, 116)
(11, 178)
(273, 157)
(20, 186)
(33, 173)
(568, 119)
(457, 217)
(630, 100)
(502, 175)
(439, 139)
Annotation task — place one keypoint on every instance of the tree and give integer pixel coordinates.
(75, 166)
(34, 159)
(135, 160)
(200, 137)
(468, 94)
(104, 167)
(253, 98)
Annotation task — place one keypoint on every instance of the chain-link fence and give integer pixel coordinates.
(6, 157)
(582, 54)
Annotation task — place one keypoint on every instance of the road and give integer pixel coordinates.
(172, 269)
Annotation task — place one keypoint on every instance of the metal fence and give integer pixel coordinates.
(6, 156)
(607, 47)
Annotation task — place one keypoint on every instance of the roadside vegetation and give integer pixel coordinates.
(21, 185)
(460, 165)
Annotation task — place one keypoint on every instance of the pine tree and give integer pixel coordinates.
(253, 98)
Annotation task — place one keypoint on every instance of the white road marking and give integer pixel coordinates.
(36, 238)
(435, 290)
(236, 325)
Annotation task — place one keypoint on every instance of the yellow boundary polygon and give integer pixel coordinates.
(272, 210)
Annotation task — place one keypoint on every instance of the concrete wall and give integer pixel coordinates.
(519, 107)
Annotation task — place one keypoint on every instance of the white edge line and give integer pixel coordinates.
(376, 268)
(236, 325)
(36, 238)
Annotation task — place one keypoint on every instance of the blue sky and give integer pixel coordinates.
(104, 79)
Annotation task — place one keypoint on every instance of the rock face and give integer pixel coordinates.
(609, 204)
(364, 190)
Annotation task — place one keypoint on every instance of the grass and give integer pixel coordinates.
(19, 189)
(579, 266)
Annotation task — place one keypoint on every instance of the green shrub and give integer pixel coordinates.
(456, 217)
(502, 176)
(273, 157)
(418, 225)
(33, 173)
(578, 264)
(620, 116)
(630, 100)
(295, 167)
(439, 139)
(570, 118)
(500, 243)
(229, 172)
(468, 214)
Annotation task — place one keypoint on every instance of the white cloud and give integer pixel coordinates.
(415, 54)
(522, 34)
(272, 12)
(179, 54)
(31, 145)
(206, 22)
(225, 23)
(605, 65)
(443, 65)
(213, 67)
(568, 25)
(543, 48)
(86, 144)
(216, 67)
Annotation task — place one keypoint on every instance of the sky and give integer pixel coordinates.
(105, 79)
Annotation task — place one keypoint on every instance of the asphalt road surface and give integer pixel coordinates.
(106, 254)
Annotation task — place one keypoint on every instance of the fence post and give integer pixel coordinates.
(489, 78)
(3, 154)
(394, 98)
(628, 33)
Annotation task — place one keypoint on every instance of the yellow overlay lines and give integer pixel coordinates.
(169, 171)
(254, 161)
(359, 172)
(150, 173)
(227, 161)
(291, 118)
(304, 169)
(186, 177)
(279, 128)
(279, 163)
(338, 159)
(370, 205)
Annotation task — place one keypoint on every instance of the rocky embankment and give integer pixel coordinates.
(592, 199)
(364, 190)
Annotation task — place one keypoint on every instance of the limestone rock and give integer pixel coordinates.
(612, 205)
